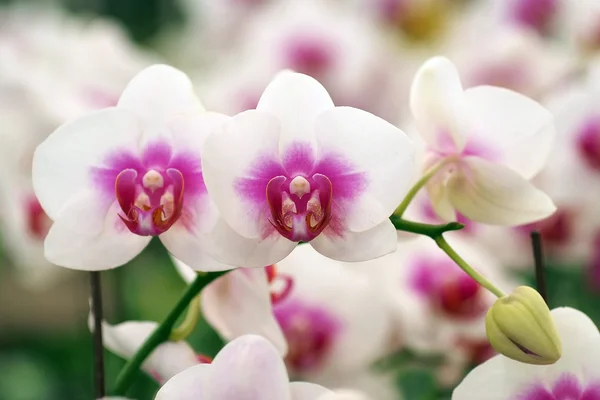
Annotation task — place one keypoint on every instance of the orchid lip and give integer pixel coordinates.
(302, 210)
(152, 204)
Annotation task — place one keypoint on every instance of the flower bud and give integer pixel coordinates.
(519, 326)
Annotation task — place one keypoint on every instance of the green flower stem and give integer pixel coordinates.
(187, 326)
(416, 187)
(161, 334)
(442, 244)
(436, 232)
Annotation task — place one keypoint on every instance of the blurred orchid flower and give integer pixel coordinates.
(299, 169)
(484, 144)
(114, 178)
(575, 376)
(249, 368)
(438, 308)
(167, 360)
(240, 302)
(331, 309)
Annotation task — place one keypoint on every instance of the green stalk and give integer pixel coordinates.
(162, 333)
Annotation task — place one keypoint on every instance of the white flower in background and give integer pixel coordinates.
(248, 368)
(438, 308)
(299, 169)
(327, 40)
(489, 142)
(69, 65)
(166, 361)
(335, 321)
(536, 15)
(240, 302)
(114, 178)
(576, 376)
(512, 57)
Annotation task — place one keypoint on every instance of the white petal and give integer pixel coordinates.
(438, 197)
(296, 100)
(187, 385)
(344, 395)
(437, 103)
(357, 246)
(488, 381)
(228, 247)
(239, 303)
(374, 149)
(493, 194)
(191, 249)
(88, 235)
(308, 391)
(167, 360)
(240, 152)
(61, 164)
(518, 130)
(249, 367)
(159, 92)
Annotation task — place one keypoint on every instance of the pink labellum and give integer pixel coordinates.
(300, 208)
(151, 204)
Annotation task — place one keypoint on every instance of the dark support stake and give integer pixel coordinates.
(98, 345)
(540, 271)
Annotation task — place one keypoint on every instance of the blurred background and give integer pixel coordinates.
(60, 59)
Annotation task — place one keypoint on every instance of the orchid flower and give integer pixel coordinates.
(483, 144)
(167, 360)
(248, 368)
(298, 169)
(576, 376)
(330, 309)
(241, 302)
(114, 178)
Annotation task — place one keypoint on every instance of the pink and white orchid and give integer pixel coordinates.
(248, 368)
(330, 309)
(114, 178)
(486, 142)
(576, 376)
(241, 302)
(300, 169)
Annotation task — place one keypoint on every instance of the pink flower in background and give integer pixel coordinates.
(249, 368)
(241, 302)
(576, 376)
(299, 169)
(490, 141)
(114, 178)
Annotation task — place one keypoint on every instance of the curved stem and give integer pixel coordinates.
(161, 334)
(187, 326)
(416, 187)
(432, 231)
(442, 244)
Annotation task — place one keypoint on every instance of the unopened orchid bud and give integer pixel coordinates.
(519, 326)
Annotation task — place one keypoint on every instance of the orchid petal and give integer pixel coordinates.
(437, 104)
(231, 248)
(493, 194)
(159, 92)
(239, 303)
(357, 246)
(307, 391)
(88, 235)
(249, 367)
(519, 130)
(440, 202)
(187, 385)
(167, 360)
(236, 162)
(296, 100)
(62, 163)
(380, 164)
